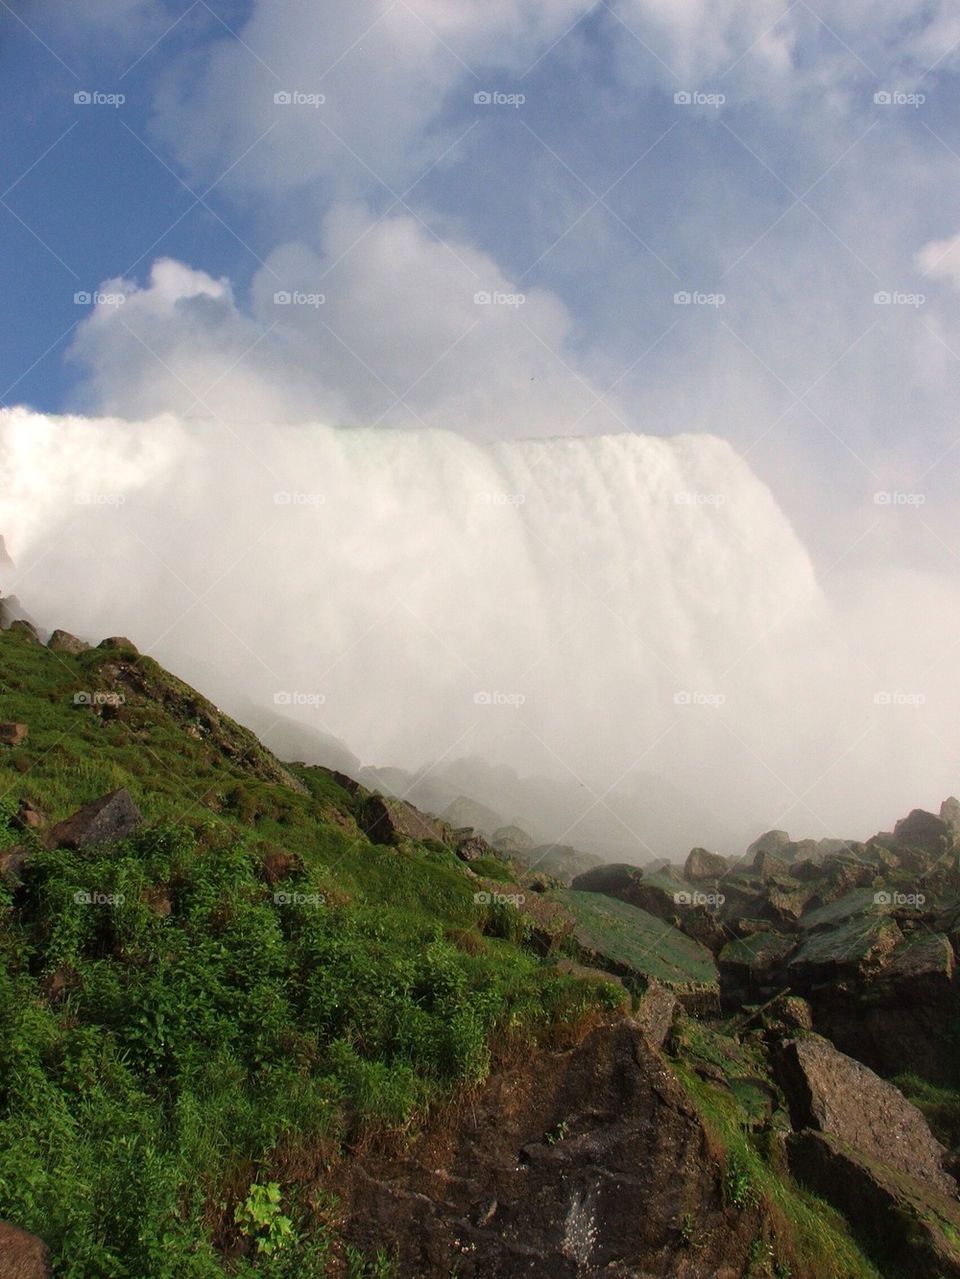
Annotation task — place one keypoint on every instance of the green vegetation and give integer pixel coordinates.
(197, 1021)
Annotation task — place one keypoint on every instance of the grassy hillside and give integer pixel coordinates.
(195, 1022)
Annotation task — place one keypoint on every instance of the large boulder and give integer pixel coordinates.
(64, 642)
(111, 817)
(768, 867)
(906, 1228)
(701, 864)
(574, 1163)
(387, 821)
(511, 839)
(771, 841)
(925, 831)
(22, 1255)
(830, 1092)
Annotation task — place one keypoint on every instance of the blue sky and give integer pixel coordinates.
(598, 197)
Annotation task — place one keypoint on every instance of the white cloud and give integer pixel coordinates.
(940, 259)
(382, 325)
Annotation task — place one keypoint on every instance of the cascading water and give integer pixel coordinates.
(599, 611)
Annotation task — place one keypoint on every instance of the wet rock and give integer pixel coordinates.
(511, 839)
(471, 848)
(924, 831)
(22, 1255)
(592, 1155)
(24, 630)
(833, 1093)
(64, 642)
(28, 816)
(654, 1013)
(386, 821)
(769, 867)
(111, 817)
(119, 641)
(771, 841)
(701, 864)
(903, 1226)
(12, 734)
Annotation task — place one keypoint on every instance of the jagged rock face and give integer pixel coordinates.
(22, 1255)
(950, 813)
(472, 847)
(701, 865)
(113, 816)
(386, 820)
(581, 1163)
(833, 1093)
(926, 832)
